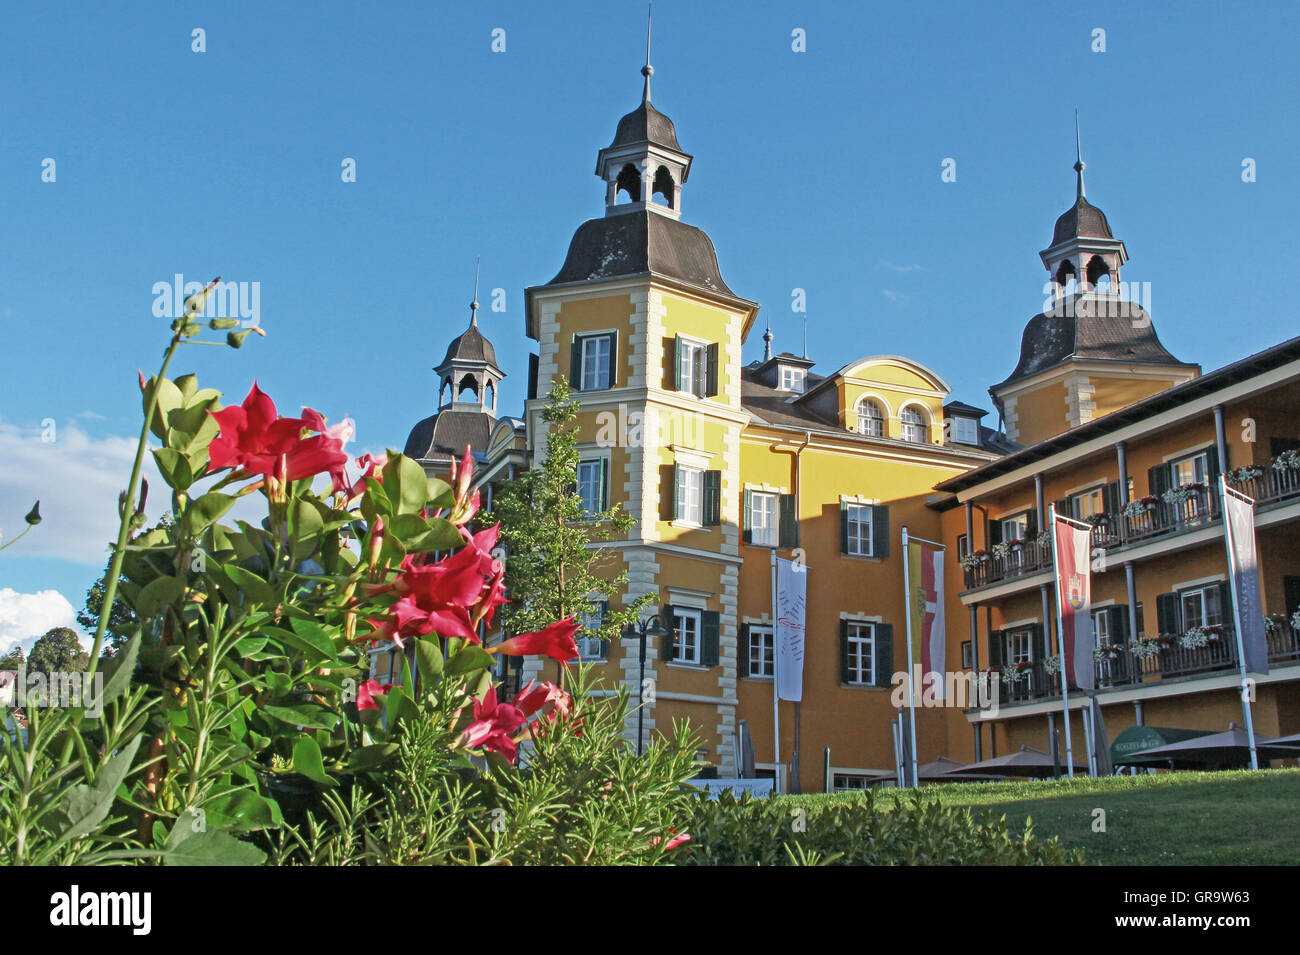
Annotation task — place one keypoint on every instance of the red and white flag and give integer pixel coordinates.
(1074, 593)
(929, 631)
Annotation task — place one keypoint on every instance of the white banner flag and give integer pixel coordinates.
(791, 590)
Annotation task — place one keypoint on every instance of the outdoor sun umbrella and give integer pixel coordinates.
(943, 768)
(1219, 749)
(1027, 762)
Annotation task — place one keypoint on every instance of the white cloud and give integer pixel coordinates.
(77, 478)
(897, 298)
(26, 617)
(885, 264)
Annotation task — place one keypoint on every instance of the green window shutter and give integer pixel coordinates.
(844, 651)
(747, 518)
(604, 484)
(789, 536)
(575, 364)
(1031, 524)
(997, 647)
(712, 498)
(995, 532)
(710, 626)
(711, 371)
(844, 527)
(1212, 462)
(1038, 648)
(743, 655)
(1119, 629)
(880, 531)
(667, 492)
(1167, 614)
(1110, 497)
(678, 347)
(666, 648)
(884, 654)
(1158, 479)
(613, 360)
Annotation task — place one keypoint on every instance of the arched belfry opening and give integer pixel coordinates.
(664, 186)
(1065, 274)
(468, 383)
(1097, 269)
(629, 183)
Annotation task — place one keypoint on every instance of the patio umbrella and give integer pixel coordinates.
(1027, 762)
(1219, 749)
(1292, 740)
(1130, 746)
(942, 769)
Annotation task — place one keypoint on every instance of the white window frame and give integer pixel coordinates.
(594, 483)
(1200, 597)
(686, 619)
(589, 647)
(1101, 626)
(764, 533)
(919, 436)
(694, 367)
(690, 495)
(852, 782)
(1020, 522)
(1020, 646)
(594, 357)
(792, 379)
(862, 541)
(876, 428)
(1199, 464)
(1094, 499)
(762, 653)
(965, 430)
(861, 637)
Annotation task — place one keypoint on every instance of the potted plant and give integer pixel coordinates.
(1140, 506)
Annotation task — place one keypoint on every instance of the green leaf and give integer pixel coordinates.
(158, 593)
(472, 657)
(307, 715)
(406, 484)
(119, 670)
(307, 760)
(253, 587)
(169, 397)
(174, 467)
(209, 847)
(307, 525)
(242, 809)
(206, 510)
(368, 757)
(428, 657)
(85, 807)
(440, 493)
(314, 638)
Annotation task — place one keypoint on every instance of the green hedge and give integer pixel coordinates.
(868, 830)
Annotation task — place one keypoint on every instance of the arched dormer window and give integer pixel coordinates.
(871, 418)
(664, 185)
(915, 426)
(629, 181)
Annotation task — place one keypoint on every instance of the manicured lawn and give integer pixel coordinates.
(1223, 818)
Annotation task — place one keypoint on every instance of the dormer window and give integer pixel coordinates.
(915, 427)
(793, 379)
(964, 430)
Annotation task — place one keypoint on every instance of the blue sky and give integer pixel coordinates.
(817, 170)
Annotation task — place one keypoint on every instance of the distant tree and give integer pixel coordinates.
(14, 659)
(553, 563)
(118, 619)
(58, 651)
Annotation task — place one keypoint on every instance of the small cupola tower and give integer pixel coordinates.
(1083, 250)
(468, 377)
(644, 167)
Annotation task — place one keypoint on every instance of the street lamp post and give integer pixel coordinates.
(650, 627)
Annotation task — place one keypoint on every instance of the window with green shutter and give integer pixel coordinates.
(789, 534)
(884, 654)
(710, 628)
(1168, 617)
(712, 498)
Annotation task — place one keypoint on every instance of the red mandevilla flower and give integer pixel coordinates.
(493, 723)
(371, 467)
(367, 692)
(556, 642)
(255, 438)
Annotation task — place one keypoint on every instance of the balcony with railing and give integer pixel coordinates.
(1164, 659)
(1147, 519)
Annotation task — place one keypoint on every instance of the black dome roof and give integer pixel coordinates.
(470, 345)
(1081, 219)
(645, 124)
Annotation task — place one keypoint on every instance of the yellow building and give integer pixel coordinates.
(722, 464)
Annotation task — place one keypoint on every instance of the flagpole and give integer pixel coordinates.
(911, 681)
(776, 683)
(1236, 614)
(1060, 643)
